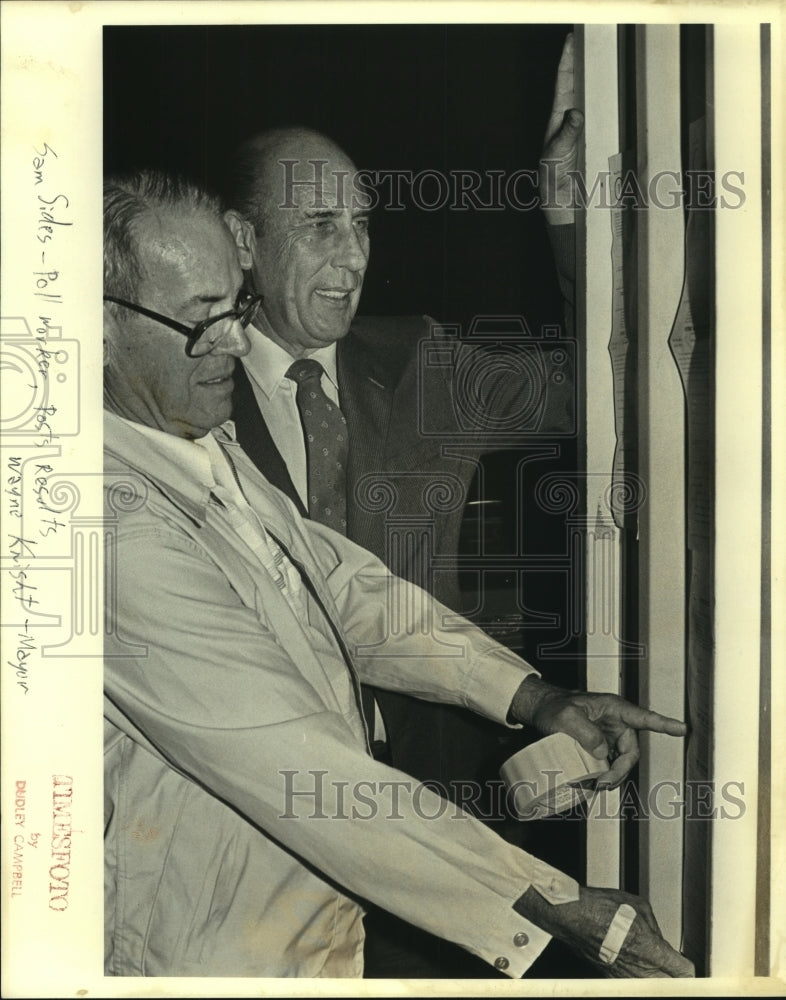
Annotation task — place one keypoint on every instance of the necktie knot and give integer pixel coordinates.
(303, 370)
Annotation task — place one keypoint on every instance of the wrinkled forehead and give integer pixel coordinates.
(186, 248)
(318, 182)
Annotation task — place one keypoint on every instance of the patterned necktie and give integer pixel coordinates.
(325, 433)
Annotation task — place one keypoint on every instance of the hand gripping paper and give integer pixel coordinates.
(544, 778)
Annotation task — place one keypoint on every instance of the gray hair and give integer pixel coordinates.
(126, 198)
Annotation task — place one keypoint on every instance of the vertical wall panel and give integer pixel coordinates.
(603, 596)
(661, 466)
(737, 548)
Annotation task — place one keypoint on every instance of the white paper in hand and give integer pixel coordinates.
(544, 778)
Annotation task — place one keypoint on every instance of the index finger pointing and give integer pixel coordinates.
(642, 718)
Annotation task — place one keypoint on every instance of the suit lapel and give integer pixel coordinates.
(366, 401)
(371, 361)
(254, 437)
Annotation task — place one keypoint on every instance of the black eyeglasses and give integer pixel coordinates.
(246, 308)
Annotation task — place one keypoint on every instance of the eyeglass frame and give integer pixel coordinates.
(244, 314)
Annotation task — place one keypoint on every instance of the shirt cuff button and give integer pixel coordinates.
(520, 939)
(501, 963)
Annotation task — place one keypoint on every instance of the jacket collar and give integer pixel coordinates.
(178, 467)
(364, 356)
(381, 347)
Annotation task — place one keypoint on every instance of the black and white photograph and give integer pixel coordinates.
(391, 601)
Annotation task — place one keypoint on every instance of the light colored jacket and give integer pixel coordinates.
(245, 819)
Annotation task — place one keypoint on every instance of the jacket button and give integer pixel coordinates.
(501, 963)
(520, 939)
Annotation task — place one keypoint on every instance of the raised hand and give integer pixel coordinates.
(561, 145)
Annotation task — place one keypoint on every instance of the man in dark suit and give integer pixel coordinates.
(420, 408)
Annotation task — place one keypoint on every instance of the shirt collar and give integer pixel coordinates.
(178, 464)
(267, 362)
(179, 453)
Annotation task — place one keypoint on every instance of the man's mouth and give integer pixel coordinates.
(218, 380)
(334, 294)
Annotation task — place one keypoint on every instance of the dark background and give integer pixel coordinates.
(437, 97)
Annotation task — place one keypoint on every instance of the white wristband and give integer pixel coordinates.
(616, 934)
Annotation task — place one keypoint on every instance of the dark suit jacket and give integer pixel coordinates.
(421, 409)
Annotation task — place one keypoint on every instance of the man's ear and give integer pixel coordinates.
(244, 236)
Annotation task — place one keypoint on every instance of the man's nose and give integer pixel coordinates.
(351, 251)
(231, 338)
